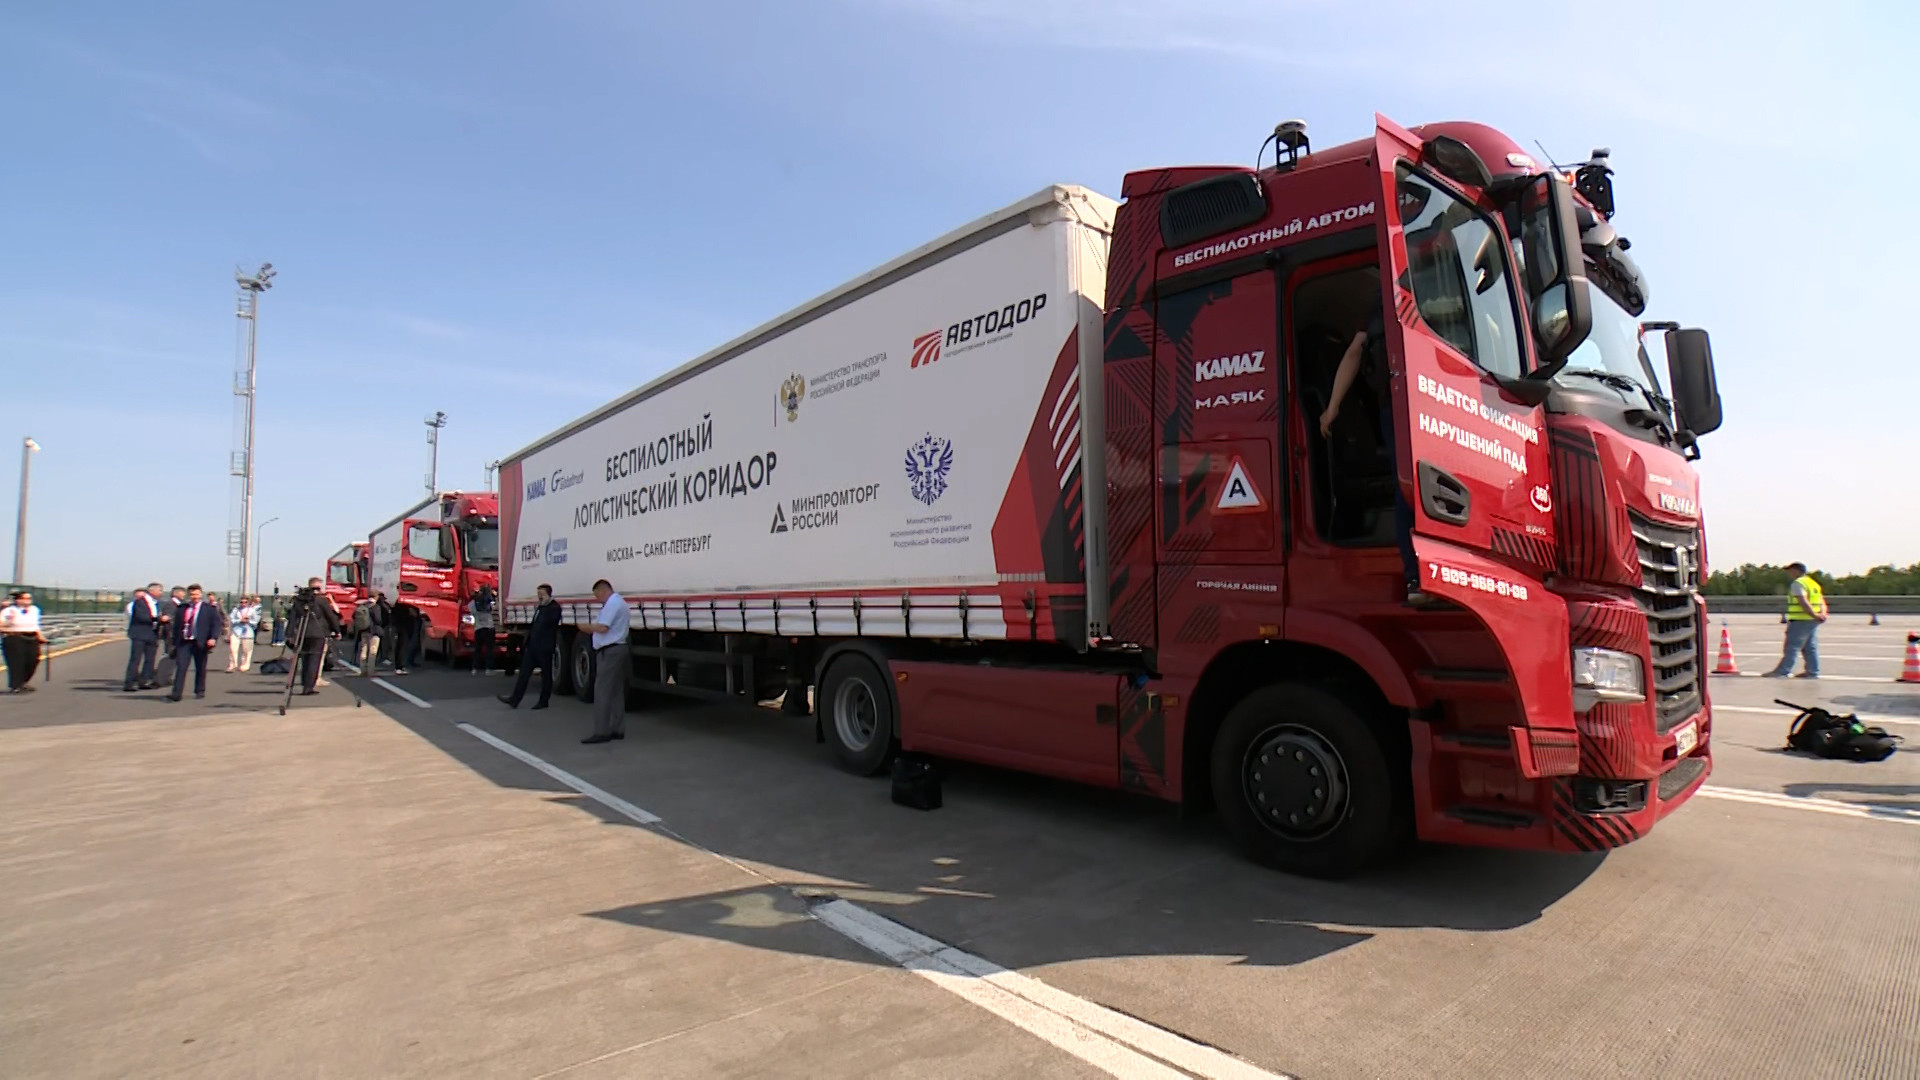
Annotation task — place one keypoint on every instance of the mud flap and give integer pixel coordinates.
(1531, 627)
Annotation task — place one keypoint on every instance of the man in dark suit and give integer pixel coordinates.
(196, 626)
(542, 638)
(143, 639)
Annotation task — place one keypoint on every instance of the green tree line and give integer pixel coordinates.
(1765, 579)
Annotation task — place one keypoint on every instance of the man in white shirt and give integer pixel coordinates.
(20, 639)
(610, 660)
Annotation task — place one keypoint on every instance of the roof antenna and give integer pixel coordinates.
(1549, 157)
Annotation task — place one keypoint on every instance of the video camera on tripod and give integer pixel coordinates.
(310, 649)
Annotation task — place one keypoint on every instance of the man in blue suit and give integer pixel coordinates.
(196, 626)
(143, 639)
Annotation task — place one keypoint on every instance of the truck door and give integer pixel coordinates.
(1473, 457)
(427, 574)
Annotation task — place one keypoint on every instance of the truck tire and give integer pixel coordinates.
(580, 667)
(560, 664)
(1304, 784)
(856, 712)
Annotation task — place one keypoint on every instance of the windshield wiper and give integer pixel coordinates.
(1618, 382)
(1656, 419)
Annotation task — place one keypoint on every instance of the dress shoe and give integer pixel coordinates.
(538, 707)
(593, 740)
(149, 686)
(619, 734)
(507, 701)
(173, 697)
(126, 689)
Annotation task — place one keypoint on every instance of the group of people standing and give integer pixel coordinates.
(185, 626)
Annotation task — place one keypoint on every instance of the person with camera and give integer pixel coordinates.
(313, 618)
(482, 610)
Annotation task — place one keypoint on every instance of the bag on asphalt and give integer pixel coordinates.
(1845, 738)
(916, 781)
(276, 666)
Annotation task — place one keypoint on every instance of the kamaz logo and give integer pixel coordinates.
(1678, 504)
(559, 481)
(1226, 367)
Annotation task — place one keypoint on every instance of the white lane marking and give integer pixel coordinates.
(1823, 678)
(1900, 815)
(420, 701)
(1865, 718)
(352, 669)
(605, 798)
(1111, 1041)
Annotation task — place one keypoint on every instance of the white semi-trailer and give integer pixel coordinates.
(901, 458)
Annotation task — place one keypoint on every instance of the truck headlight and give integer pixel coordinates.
(1606, 675)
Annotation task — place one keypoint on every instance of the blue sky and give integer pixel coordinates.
(513, 213)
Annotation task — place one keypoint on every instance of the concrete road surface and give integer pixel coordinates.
(420, 887)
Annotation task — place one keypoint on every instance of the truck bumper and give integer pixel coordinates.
(1625, 785)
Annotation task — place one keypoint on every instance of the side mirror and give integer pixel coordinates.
(1696, 393)
(1556, 273)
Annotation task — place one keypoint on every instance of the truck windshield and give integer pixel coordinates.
(1613, 350)
(482, 545)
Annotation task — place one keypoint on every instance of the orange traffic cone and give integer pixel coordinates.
(1725, 665)
(1910, 671)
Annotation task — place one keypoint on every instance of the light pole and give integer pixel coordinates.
(492, 467)
(244, 384)
(256, 556)
(27, 447)
(434, 423)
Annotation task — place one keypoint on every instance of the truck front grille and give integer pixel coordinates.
(1669, 585)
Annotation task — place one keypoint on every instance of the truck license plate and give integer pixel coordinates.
(1685, 739)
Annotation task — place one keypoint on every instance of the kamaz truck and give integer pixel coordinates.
(1052, 493)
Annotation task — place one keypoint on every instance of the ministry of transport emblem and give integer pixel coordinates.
(792, 393)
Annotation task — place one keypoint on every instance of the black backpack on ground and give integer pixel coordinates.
(1817, 731)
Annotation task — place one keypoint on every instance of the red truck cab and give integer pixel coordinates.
(346, 579)
(436, 557)
(1554, 696)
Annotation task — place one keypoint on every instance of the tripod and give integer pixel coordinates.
(298, 660)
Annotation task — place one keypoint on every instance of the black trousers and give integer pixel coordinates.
(140, 657)
(23, 659)
(194, 654)
(528, 659)
(312, 652)
(483, 648)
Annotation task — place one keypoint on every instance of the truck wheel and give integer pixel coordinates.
(560, 664)
(856, 711)
(582, 667)
(1304, 784)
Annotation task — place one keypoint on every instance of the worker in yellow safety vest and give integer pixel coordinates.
(1806, 610)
